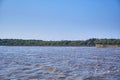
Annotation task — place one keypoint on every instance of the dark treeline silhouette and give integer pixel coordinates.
(89, 42)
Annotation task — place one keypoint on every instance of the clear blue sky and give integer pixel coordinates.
(59, 19)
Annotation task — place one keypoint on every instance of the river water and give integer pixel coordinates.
(59, 63)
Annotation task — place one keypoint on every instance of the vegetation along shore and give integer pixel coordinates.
(89, 42)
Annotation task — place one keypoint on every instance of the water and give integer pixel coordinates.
(59, 63)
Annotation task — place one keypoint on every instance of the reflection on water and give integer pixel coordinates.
(59, 63)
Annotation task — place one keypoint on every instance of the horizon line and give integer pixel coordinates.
(58, 40)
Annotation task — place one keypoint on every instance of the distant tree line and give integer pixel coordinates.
(108, 41)
(89, 42)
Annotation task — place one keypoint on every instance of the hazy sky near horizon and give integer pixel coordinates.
(59, 19)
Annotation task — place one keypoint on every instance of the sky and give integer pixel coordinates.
(59, 19)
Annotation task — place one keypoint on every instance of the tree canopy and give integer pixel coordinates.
(89, 42)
